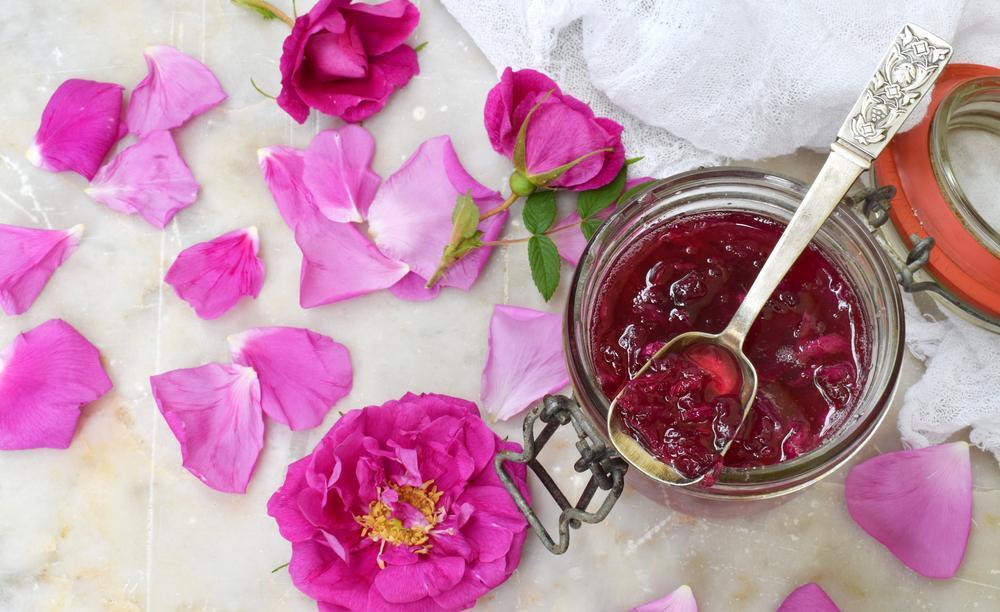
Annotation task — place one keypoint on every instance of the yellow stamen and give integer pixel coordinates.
(383, 528)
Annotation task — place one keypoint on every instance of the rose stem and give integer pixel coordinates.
(267, 6)
(499, 209)
(527, 238)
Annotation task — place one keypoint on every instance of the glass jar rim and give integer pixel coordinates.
(784, 477)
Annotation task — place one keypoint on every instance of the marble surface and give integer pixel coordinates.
(115, 522)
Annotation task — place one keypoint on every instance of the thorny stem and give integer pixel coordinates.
(267, 6)
(499, 209)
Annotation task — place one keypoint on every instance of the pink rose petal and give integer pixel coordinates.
(79, 126)
(680, 600)
(176, 88)
(338, 173)
(212, 276)
(46, 376)
(410, 219)
(28, 257)
(808, 598)
(413, 288)
(214, 412)
(302, 373)
(524, 360)
(149, 179)
(918, 504)
(338, 262)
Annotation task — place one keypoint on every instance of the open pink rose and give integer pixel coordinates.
(399, 508)
(560, 131)
(345, 59)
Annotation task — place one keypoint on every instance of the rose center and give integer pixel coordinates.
(402, 515)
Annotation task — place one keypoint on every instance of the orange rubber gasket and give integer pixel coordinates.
(958, 261)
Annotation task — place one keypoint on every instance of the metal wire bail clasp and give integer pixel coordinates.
(606, 466)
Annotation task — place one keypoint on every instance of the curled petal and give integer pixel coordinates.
(214, 412)
(338, 262)
(524, 360)
(410, 219)
(338, 173)
(383, 26)
(808, 598)
(46, 376)
(918, 504)
(79, 126)
(212, 276)
(176, 88)
(28, 257)
(681, 600)
(149, 179)
(302, 373)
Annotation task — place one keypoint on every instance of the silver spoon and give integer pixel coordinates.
(907, 72)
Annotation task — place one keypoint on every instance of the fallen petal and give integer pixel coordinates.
(338, 261)
(79, 126)
(302, 373)
(338, 173)
(681, 600)
(212, 276)
(148, 178)
(808, 598)
(524, 360)
(176, 88)
(214, 412)
(918, 504)
(413, 288)
(28, 257)
(46, 376)
(410, 218)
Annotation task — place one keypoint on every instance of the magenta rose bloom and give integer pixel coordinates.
(399, 508)
(345, 59)
(562, 129)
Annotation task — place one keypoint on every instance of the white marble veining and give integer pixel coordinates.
(115, 522)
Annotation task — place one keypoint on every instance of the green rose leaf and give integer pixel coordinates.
(589, 227)
(591, 202)
(544, 260)
(540, 211)
(634, 191)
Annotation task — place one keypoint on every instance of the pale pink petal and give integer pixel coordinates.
(410, 218)
(918, 504)
(808, 598)
(149, 179)
(302, 373)
(338, 262)
(214, 412)
(79, 126)
(212, 276)
(413, 288)
(46, 376)
(28, 257)
(338, 173)
(524, 360)
(176, 88)
(680, 600)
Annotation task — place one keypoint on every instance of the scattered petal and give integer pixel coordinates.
(338, 173)
(681, 600)
(149, 179)
(338, 261)
(212, 276)
(28, 257)
(302, 373)
(808, 598)
(412, 287)
(918, 504)
(177, 88)
(524, 360)
(46, 376)
(79, 126)
(410, 218)
(214, 412)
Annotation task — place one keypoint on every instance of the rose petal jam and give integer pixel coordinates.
(808, 345)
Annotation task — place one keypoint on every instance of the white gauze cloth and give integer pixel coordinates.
(701, 82)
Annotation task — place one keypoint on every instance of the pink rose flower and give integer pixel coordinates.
(345, 59)
(560, 131)
(399, 508)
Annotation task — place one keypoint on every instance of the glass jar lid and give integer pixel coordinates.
(946, 210)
